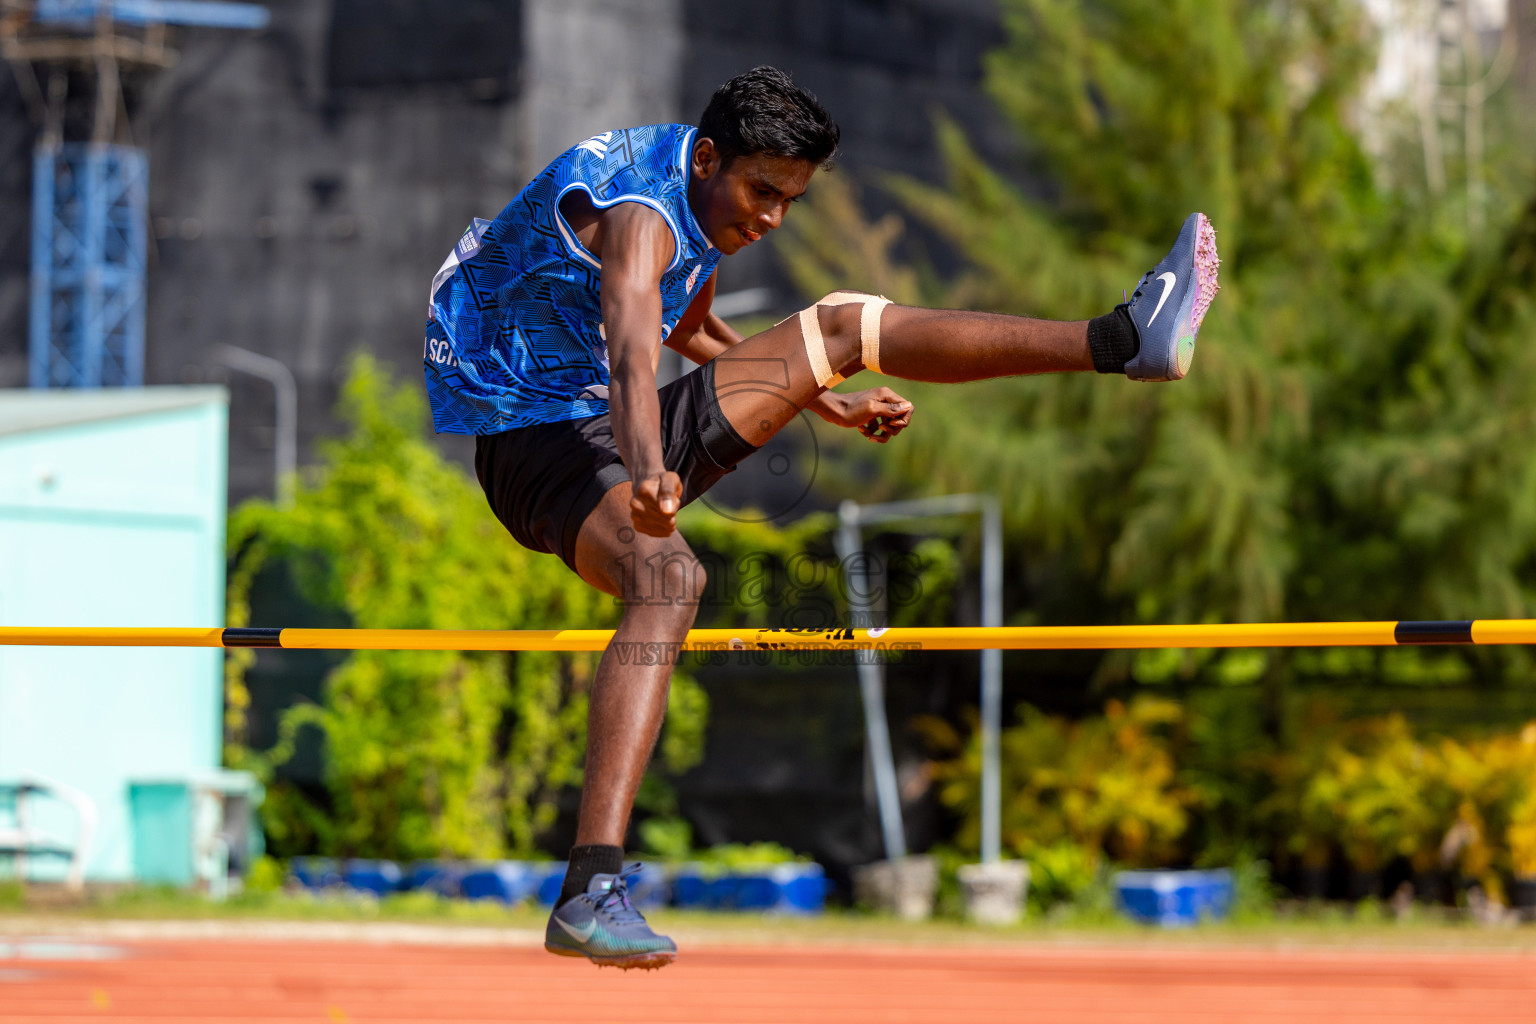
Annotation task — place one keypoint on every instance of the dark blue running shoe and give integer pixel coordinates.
(1170, 302)
(603, 926)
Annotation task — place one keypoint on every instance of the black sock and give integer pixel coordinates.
(1112, 340)
(587, 861)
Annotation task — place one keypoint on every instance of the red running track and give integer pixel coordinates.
(217, 981)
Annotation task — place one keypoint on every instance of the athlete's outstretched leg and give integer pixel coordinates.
(769, 377)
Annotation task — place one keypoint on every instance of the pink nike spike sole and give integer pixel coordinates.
(1206, 264)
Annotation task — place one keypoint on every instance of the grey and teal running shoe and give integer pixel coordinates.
(603, 926)
(1171, 300)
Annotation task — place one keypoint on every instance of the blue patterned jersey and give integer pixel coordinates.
(514, 330)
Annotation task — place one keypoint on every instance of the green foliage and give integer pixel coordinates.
(1107, 784)
(427, 753)
(1355, 440)
(1492, 781)
(926, 596)
(1146, 110)
(1151, 784)
(742, 856)
(1384, 799)
(1254, 892)
(666, 839)
(670, 840)
(1063, 872)
(762, 574)
(266, 875)
(767, 575)
(1377, 791)
(1521, 837)
(1299, 828)
(1227, 759)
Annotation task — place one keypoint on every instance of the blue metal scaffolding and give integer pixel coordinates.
(90, 208)
(90, 200)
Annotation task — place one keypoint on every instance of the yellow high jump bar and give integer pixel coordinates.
(895, 639)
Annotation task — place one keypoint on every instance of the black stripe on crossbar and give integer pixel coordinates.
(259, 637)
(1457, 632)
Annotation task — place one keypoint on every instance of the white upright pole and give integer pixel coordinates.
(850, 549)
(286, 448)
(991, 681)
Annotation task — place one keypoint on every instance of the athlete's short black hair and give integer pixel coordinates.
(764, 111)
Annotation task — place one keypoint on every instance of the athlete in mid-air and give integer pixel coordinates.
(544, 333)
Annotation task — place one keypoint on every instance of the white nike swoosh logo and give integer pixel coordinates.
(579, 934)
(1173, 279)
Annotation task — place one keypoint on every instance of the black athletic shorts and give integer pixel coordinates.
(543, 481)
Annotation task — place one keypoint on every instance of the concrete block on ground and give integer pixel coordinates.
(994, 893)
(903, 887)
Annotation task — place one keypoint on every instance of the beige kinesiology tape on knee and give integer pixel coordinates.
(869, 334)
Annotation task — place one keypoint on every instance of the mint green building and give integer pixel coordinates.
(112, 508)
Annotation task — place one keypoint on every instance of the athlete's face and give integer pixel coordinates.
(739, 202)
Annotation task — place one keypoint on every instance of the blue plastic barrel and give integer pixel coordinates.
(547, 877)
(690, 887)
(440, 877)
(507, 881)
(750, 891)
(1174, 899)
(779, 889)
(314, 872)
(802, 889)
(378, 877)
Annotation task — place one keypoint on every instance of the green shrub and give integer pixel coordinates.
(1445, 803)
(1387, 800)
(1299, 828)
(266, 875)
(1521, 837)
(1062, 872)
(1493, 780)
(737, 856)
(666, 839)
(1254, 893)
(1120, 786)
(1107, 784)
(427, 753)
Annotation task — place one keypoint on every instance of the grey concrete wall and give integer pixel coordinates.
(594, 65)
(881, 67)
(15, 231)
(303, 221)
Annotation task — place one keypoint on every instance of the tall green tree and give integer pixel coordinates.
(1355, 439)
